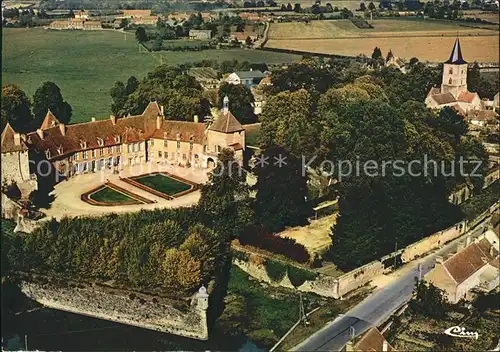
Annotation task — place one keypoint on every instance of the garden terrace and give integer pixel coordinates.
(106, 195)
(162, 185)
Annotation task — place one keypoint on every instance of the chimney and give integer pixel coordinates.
(40, 133)
(460, 246)
(385, 346)
(468, 241)
(62, 127)
(93, 119)
(161, 110)
(158, 122)
(17, 139)
(492, 251)
(196, 119)
(349, 347)
(439, 259)
(113, 119)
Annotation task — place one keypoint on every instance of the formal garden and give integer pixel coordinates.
(164, 183)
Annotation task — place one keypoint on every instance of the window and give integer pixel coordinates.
(178, 144)
(93, 153)
(165, 144)
(101, 152)
(133, 147)
(184, 157)
(76, 156)
(110, 150)
(151, 142)
(449, 82)
(85, 155)
(117, 148)
(165, 155)
(191, 145)
(159, 154)
(451, 70)
(196, 156)
(139, 146)
(129, 148)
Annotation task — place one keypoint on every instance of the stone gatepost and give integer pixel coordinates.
(201, 307)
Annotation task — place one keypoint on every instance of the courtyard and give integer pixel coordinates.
(83, 194)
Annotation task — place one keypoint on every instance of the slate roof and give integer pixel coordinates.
(465, 263)
(250, 74)
(226, 123)
(456, 55)
(372, 340)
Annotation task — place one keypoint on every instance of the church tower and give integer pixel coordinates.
(455, 72)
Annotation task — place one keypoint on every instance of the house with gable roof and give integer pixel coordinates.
(118, 142)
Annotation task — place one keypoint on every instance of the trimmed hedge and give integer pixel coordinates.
(298, 276)
(259, 237)
(275, 270)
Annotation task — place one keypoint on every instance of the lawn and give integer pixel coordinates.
(85, 64)
(108, 195)
(163, 184)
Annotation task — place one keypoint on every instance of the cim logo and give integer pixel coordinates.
(457, 331)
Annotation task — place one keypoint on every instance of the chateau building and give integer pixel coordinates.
(117, 142)
(453, 91)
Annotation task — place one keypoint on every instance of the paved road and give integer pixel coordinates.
(376, 308)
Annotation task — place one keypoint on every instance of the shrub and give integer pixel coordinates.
(275, 270)
(298, 276)
(259, 237)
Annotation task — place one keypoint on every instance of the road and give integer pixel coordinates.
(379, 306)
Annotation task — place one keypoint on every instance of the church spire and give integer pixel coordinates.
(456, 55)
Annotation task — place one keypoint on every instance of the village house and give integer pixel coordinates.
(474, 267)
(178, 16)
(138, 17)
(241, 37)
(453, 91)
(200, 34)
(115, 143)
(246, 78)
(81, 15)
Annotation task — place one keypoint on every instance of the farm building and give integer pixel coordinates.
(246, 78)
(207, 77)
(138, 17)
(81, 15)
(200, 34)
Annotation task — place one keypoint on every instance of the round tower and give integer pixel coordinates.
(202, 298)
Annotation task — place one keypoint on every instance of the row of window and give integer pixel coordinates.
(93, 153)
(172, 155)
(165, 143)
(95, 165)
(134, 147)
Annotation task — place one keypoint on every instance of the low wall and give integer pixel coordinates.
(359, 277)
(139, 310)
(433, 241)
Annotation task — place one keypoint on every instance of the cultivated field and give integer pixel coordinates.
(85, 65)
(427, 40)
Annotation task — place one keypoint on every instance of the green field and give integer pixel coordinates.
(85, 65)
(163, 184)
(108, 195)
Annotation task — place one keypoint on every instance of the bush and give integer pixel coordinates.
(259, 237)
(275, 270)
(298, 276)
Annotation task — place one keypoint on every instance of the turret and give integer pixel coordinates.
(225, 105)
(202, 298)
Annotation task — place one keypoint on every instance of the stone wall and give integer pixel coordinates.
(16, 167)
(138, 310)
(359, 277)
(433, 241)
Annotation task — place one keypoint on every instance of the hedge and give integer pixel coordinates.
(275, 270)
(298, 276)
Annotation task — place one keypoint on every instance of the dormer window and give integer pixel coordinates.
(451, 70)
(83, 144)
(178, 136)
(60, 150)
(47, 154)
(165, 135)
(100, 141)
(117, 139)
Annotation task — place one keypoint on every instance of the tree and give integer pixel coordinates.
(141, 35)
(413, 61)
(297, 8)
(362, 6)
(241, 100)
(132, 85)
(49, 97)
(16, 109)
(248, 41)
(451, 122)
(371, 6)
(281, 191)
(124, 23)
(119, 96)
(289, 7)
(429, 301)
(224, 198)
(377, 53)
(181, 271)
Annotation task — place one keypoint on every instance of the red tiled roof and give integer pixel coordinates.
(466, 97)
(372, 340)
(49, 121)
(236, 146)
(482, 115)
(466, 262)
(226, 123)
(8, 143)
(130, 129)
